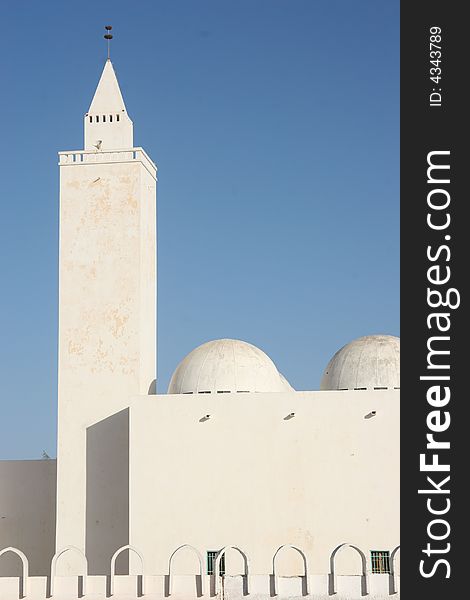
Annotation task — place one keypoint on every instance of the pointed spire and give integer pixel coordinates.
(108, 97)
(107, 124)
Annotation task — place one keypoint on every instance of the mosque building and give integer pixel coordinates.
(232, 483)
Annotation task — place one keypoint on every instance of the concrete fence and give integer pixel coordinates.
(306, 585)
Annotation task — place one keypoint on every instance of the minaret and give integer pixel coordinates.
(107, 290)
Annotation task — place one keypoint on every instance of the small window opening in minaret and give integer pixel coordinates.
(117, 117)
(104, 118)
(91, 119)
(110, 118)
(97, 119)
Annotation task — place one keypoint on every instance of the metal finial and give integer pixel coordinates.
(108, 36)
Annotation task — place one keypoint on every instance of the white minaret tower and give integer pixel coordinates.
(107, 291)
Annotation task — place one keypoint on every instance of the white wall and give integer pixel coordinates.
(27, 513)
(252, 478)
(248, 476)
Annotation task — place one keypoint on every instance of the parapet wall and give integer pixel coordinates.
(199, 584)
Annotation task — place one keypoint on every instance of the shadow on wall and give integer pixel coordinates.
(27, 514)
(107, 493)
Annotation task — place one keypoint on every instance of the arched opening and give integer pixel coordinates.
(275, 575)
(394, 571)
(199, 577)
(140, 576)
(333, 589)
(245, 564)
(23, 583)
(81, 576)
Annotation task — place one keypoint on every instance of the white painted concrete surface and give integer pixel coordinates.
(255, 477)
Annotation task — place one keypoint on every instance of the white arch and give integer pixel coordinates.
(24, 563)
(364, 578)
(275, 575)
(56, 557)
(113, 566)
(393, 577)
(217, 567)
(201, 567)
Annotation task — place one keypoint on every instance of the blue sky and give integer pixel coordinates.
(275, 127)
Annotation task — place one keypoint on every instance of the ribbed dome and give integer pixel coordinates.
(370, 362)
(223, 366)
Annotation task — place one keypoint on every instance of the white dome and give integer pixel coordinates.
(222, 366)
(370, 362)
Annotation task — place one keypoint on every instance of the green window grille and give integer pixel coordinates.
(211, 556)
(380, 560)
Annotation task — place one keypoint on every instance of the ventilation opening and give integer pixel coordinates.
(97, 119)
(211, 558)
(381, 388)
(187, 392)
(205, 392)
(223, 391)
(380, 560)
(110, 118)
(104, 118)
(117, 117)
(91, 119)
(243, 391)
(363, 388)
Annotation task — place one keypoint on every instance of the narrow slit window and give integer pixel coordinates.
(380, 560)
(211, 558)
(104, 118)
(110, 118)
(97, 119)
(117, 117)
(91, 119)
